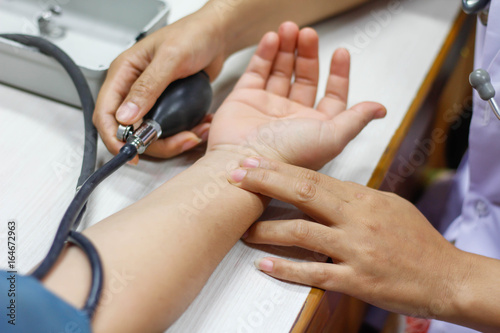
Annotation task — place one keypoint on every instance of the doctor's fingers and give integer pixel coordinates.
(118, 81)
(130, 80)
(328, 183)
(308, 235)
(165, 67)
(303, 188)
(334, 277)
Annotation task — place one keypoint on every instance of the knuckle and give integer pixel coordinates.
(301, 231)
(329, 239)
(260, 230)
(363, 117)
(320, 277)
(283, 269)
(367, 198)
(353, 184)
(311, 176)
(118, 61)
(373, 225)
(169, 53)
(305, 191)
(167, 50)
(263, 176)
(143, 87)
(270, 164)
(280, 73)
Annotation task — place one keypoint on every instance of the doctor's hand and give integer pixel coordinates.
(138, 76)
(383, 249)
(269, 115)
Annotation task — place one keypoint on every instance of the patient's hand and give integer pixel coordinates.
(275, 117)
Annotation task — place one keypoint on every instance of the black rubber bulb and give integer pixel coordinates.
(183, 105)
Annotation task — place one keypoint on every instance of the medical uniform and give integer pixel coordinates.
(472, 219)
(28, 307)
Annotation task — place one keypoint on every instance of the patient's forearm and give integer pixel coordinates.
(159, 252)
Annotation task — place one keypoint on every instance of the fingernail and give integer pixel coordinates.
(251, 163)
(127, 112)
(190, 144)
(264, 265)
(380, 113)
(204, 135)
(245, 235)
(238, 175)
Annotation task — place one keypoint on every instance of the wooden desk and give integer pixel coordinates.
(392, 53)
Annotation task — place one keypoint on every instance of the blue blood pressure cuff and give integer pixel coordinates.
(27, 306)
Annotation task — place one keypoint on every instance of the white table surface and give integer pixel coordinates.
(41, 147)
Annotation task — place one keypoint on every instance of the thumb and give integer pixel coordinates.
(348, 124)
(145, 91)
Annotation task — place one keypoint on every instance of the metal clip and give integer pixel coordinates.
(46, 25)
(123, 132)
(146, 134)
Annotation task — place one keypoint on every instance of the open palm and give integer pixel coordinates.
(273, 117)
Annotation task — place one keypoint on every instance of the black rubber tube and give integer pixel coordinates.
(97, 272)
(82, 87)
(87, 181)
(127, 153)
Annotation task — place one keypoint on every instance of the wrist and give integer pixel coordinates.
(475, 299)
(223, 159)
(212, 14)
(203, 194)
(455, 300)
(237, 152)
